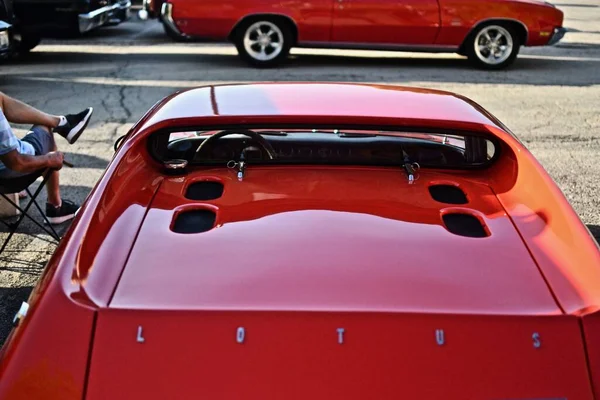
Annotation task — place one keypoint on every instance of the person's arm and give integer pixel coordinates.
(18, 112)
(25, 163)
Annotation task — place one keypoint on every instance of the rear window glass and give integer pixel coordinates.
(330, 146)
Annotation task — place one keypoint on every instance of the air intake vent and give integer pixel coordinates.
(205, 190)
(448, 194)
(464, 225)
(194, 221)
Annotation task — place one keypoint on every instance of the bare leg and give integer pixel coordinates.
(52, 184)
(20, 113)
(53, 189)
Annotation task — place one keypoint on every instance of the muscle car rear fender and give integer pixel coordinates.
(534, 21)
(256, 16)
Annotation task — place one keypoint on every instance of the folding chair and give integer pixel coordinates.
(16, 185)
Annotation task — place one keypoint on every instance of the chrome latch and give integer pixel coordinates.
(411, 171)
(241, 169)
(240, 166)
(411, 168)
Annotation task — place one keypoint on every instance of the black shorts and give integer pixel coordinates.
(41, 140)
(42, 143)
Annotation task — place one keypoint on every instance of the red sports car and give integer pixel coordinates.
(489, 32)
(315, 241)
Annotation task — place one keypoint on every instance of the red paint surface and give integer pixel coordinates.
(385, 21)
(297, 356)
(391, 274)
(322, 102)
(375, 22)
(458, 17)
(313, 238)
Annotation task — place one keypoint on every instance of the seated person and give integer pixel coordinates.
(37, 150)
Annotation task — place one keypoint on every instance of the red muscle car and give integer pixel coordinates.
(315, 241)
(489, 32)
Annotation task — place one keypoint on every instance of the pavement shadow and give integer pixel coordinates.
(85, 161)
(528, 69)
(76, 193)
(28, 262)
(17, 257)
(580, 46)
(10, 301)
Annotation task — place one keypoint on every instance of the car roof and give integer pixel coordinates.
(303, 99)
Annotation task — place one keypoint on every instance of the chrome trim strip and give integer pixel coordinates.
(380, 46)
(167, 13)
(124, 6)
(96, 18)
(557, 35)
(5, 39)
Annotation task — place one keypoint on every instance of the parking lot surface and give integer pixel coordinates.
(550, 98)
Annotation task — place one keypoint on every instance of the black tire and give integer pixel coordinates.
(28, 43)
(282, 35)
(507, 34)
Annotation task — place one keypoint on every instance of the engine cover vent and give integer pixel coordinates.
(464, 225)
(448, 194)
(205, 190)
(194, 221)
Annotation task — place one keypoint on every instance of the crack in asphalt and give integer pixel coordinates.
(122, 98)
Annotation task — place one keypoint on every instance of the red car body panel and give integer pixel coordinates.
(386, 21)
(460, 16)
(308, 208)
(539, 271)
(424, 23)
(298, 356)
(283, 103)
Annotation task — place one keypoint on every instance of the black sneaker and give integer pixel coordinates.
(58, 215)
(76, 124)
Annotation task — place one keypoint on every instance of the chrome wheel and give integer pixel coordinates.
(493, 45)
(263, 41)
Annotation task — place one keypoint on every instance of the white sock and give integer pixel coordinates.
(63, 121)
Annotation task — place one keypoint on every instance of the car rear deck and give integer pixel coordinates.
(318, 238)
(334, 282)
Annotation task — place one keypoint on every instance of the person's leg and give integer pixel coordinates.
(18, 112)
(52, 184)
(69, 126)
(42, 140)
(53, 189)
(58, 210)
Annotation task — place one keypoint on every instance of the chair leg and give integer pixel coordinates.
(54, 234)
(13, 227)
(33, 200)
(11, 232)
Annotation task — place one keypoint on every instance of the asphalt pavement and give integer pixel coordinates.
(550, 98)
